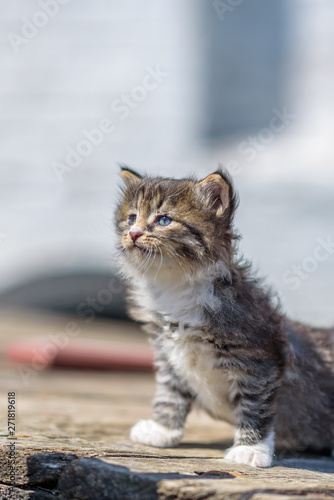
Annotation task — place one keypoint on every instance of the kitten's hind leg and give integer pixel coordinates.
(171, 407)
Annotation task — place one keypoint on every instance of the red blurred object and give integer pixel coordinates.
(38, 355)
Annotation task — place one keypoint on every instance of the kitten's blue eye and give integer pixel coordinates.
(132, 219)
(164, 221)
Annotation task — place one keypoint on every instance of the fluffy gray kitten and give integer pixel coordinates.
(218, 339)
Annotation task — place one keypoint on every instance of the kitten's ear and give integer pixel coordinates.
(129, 176)
(217, 190)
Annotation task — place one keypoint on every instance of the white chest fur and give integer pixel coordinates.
(196, 362)
(178, 300)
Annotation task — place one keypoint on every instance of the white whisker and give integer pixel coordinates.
(161, 260)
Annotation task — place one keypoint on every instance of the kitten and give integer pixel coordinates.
(218, 339)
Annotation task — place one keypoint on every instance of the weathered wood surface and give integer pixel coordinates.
(72, 439)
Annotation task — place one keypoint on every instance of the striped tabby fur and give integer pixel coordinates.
(219, 341)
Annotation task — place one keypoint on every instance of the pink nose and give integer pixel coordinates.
(135, 233)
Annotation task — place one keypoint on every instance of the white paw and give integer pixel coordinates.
(151, 433)
(249, 455)
(256, 455)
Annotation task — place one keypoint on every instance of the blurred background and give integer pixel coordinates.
(168, 88)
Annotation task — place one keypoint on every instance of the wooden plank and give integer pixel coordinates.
(73, 435)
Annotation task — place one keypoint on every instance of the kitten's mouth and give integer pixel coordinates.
(140, 249)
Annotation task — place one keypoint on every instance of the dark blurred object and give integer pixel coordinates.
(245, 65)
(86, 295)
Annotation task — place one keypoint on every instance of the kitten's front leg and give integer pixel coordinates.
(254, 439)
(171, 407)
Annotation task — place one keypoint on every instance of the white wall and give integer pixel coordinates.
(65, 78)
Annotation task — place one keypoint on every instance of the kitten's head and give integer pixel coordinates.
(174, 227)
